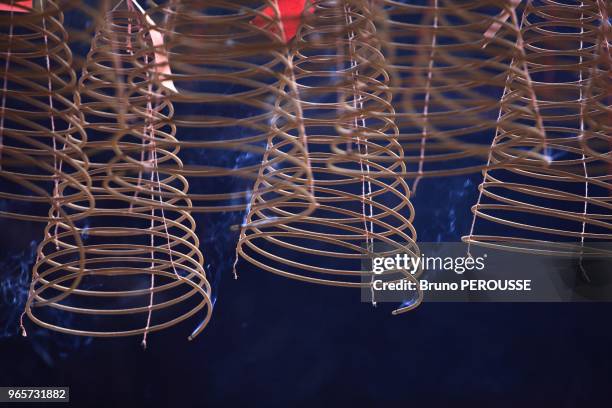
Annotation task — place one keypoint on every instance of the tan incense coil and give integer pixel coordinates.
(143, 267)
(598, 140)
(564, 207)
(358, 216)
(449, 61)
(226, 72)
(40, 131)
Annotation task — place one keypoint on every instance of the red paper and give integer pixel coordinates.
(17, 7)
(162, 66)
(290, 16)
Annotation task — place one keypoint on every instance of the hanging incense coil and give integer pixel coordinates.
(563, 207)
(41, 133)
(597, 140)
(226, 60)
(143, 267)
(449, 62)
(82, 18)
(358, 216)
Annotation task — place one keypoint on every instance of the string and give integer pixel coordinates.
(358, 102)
(430, 67)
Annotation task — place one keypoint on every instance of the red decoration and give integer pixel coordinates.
(290, 16)
(17, 7)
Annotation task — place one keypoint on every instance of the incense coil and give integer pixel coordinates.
(358, 216)
(449, 62)
(143, 270)
(564, 207)
(598, 140)
(225, 75)
(41, 133)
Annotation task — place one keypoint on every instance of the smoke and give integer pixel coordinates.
(450, 218)
(14, 287)
(15, 273)
(218, 232)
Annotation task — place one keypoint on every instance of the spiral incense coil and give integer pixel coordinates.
(41, 133)
(226, 71)
(358, 216)
(143, 267)
(449, 62)
(598, 140)
(564, 207)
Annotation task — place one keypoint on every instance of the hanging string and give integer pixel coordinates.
(583, 157)
(535, 107)
(430, 68)
(361, 144)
